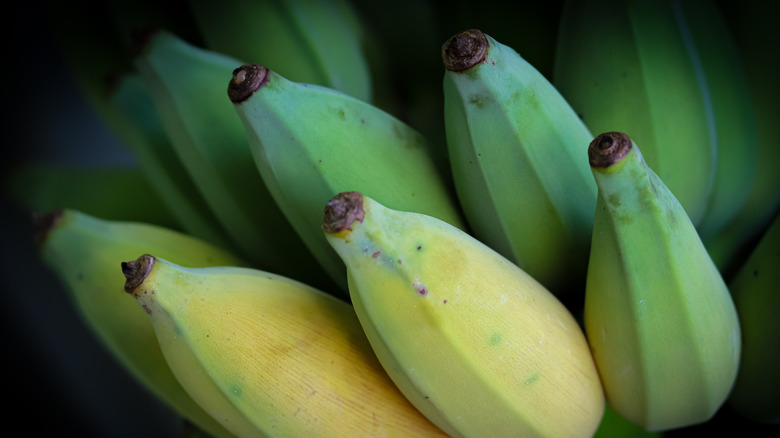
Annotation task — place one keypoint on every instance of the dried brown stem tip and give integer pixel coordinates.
(341, 211)
(464, 50)
(44, 223)
(608, 148)
(245, 81)
(137, 271)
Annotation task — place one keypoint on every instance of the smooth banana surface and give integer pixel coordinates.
(756, 292)
(310, 143)
(85, 253)
(642, 74)
(187, 84)
(315, 42)
(478, 345)
(268, 356)
(659, 318)
(518, 155)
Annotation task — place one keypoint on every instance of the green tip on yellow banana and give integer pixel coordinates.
(85, 253)
(756, 291)
(517, 151)
(475, 343)
(311, 142)
(186, 84)
(315, 42)
(647, 60)
(659, 318)
(270, 356)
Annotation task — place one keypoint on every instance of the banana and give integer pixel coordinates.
(85, 253)
(479, 346)
(517, 151)
(751, 23)
(315, 42)
(270, 356)
(139, 127)
(187, 87)
(310, 142)
(733, 110)
(659, 318)
(45, 186)
(648, 64)
(756, 292)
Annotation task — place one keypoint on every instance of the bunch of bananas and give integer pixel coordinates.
(336, 227)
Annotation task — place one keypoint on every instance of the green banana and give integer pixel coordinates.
(138, 125)
(310, 142)
(659, 318)
(756, 291)
(85, 253)
(187, 85)
(479, 346)
(648, 64)
(752, 24)
(269, 356)
(42, 186)
(733, 110)
(315, 42)
(517, 151)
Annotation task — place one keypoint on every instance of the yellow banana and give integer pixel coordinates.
(269, 356)
(478, 345)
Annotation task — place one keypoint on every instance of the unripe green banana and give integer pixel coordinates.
(43, 186)
(85, 253)
(642, 55)
(311, 142)
(479, 346)
(756, 292)
(187, 85)
(139, 127)
(268, 356)
(729, 96)
(752, 23)
(659, 318)
(517, 151)
(315, 42)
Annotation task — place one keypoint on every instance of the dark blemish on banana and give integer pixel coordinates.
(148, 310)
(362, 121)
(445, 301)
(419, 247)
(376, 254)
(399, 261)
(421, 289)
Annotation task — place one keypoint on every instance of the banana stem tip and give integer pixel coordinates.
(608, 148)
(464, 50)
(136, 271)
(245, 81)
(341, 211)
(43, 223)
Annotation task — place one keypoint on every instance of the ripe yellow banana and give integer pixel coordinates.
(660, 321)
(85, 253)
(478, 345)
(268, 356)
(756, 291)
(518, 157)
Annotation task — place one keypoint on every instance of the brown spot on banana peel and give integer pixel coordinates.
(341, 211)
(464, 50)
(245, 81)
(608, 149)
(43, 223)
(136, 272)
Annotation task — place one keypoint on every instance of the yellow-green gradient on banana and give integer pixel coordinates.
(268, 356)
(517, 152)
(310, 142)
(85, 252)
(659, 319)
(478, 345)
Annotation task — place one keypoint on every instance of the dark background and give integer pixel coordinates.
(58, 379)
